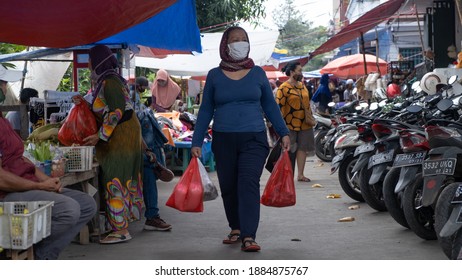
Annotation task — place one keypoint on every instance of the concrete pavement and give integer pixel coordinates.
(307, 231)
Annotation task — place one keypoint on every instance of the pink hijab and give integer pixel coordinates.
(165, 96)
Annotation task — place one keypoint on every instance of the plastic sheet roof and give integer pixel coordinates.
(164, 24)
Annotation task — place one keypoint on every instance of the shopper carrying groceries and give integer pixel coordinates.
(234, 95)
(118, 144)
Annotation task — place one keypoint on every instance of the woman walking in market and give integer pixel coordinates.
(118, 144)
(292, 97)
(234, 95)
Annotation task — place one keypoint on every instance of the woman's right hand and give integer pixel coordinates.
(91, 140)
(77, 99)
(196, 152)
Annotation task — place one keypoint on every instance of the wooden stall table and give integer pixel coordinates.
(82, 178)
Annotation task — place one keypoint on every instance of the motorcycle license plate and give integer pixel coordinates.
(381, 158)
(368, 147)
(457, 195)
(409, 159)
(439, 167)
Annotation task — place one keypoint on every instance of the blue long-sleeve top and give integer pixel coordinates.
(237, 105)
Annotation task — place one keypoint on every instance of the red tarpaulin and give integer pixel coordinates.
(66, 23)
(352, 66)
(363, 24)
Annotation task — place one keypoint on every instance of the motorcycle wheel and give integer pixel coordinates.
(420, 220)
(322, 152)
(393, 201)
(351, 188)
(372, 194)
(451, 245)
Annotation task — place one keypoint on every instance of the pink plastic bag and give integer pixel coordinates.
(280, 188)
(187, 196)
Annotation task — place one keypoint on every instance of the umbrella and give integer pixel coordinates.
(352, 66)
(276, 75)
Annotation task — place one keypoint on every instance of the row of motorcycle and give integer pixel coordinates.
(403, 156)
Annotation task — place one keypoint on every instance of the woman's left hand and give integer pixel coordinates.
(285, 143)
(91, 140)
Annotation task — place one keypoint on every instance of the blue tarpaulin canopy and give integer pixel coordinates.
(175, 28)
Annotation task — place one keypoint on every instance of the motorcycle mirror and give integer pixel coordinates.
(415, 85)
(363, 105)
(382, 103)
(452, 79)
(456, 100)
(414, 109)
(444, 104)
(331, 104)
(355, 90)
(374, 106)
(403, 88)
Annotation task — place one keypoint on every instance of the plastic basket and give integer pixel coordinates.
(20, 229)
(79, 158)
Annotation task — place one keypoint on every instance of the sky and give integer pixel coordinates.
(317, 11)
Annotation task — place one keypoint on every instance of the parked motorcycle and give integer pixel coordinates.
(441, 168)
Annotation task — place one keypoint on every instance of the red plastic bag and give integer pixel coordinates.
(79, 124)
(187, 196)
(280, 188)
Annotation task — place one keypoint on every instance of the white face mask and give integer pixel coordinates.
(238, 50)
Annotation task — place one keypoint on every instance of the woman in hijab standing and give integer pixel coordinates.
(234, 95)
(118, 144)
(323, 95)
(292, 97)
(164, 92)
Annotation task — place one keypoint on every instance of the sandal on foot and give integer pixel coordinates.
(303, 179)
(232, 238)
(249, 245)
(113, 238)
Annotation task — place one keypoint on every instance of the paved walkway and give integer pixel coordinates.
(309, 230)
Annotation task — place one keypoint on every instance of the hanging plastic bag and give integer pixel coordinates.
(210, 191)
(280, 188)
(79, 124)
(274, 155)
(187, 196)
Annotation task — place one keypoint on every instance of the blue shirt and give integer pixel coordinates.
(237, 105)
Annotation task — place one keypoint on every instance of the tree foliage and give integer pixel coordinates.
(297, 34)
(215, 12)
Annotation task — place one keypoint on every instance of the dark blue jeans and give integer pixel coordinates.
(240, 158)
(150, 195)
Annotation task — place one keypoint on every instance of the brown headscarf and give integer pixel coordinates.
(227, 63)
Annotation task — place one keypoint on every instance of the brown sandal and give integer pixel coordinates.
(303, 179)
(249, 245)
(232, 238)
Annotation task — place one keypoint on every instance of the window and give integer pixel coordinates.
(412, 54)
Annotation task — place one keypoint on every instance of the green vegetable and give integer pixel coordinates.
(42, 151)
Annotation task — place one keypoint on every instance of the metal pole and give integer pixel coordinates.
(420, 32)
(24, 71)
(377, 51)
(364, 54)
